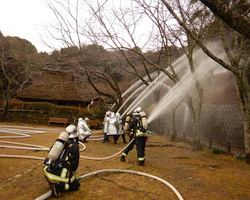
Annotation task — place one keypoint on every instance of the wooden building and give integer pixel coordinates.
(60, 88)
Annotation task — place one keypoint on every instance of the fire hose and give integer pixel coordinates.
(49, 193)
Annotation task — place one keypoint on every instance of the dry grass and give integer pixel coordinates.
(196, 175)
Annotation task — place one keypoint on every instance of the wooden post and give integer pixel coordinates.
(229, 148)
(210, 146)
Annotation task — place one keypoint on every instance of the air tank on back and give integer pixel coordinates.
(127, 120)
(144, 120)
(58, 146)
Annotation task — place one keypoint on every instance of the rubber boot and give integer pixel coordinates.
(123, 158)
(85, 140)
(140, 163)
(124, 139)
(55, 190)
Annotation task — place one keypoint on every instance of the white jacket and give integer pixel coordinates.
(83, 129)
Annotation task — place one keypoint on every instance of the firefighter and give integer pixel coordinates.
(83, 130)
(120, 128)
(113, 127)
(131, 133)
(138, 126)
(61, 165)
(105, 126)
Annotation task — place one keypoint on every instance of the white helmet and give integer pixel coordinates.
(80, 119)
(139, 109)
(71, 129)
(86, 119)
(108, 113)
(112, 114)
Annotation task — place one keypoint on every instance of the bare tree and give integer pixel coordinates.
(92, 59)
(230, 14)
(238, 64)
(101, 67)
(197, 18)
(17, 58)
(117, 31)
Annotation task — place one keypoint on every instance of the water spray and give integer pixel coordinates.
(124, 103)
(177, 92)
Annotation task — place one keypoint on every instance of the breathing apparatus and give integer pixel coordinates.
(142, 123)
(56, 149)
(144, 120)
(127, 121)
(59, 145)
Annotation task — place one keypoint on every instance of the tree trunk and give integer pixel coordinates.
(5, 110)
(197, 142)
(246, 125)
(195, 113)
(233, 19)
(243, 89)
(246, 121)
(247, 136)
(174, 136)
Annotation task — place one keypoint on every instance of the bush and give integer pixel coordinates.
(84, 112)
(218, 151)
(39, 106)
(240, 157)
(97, 114)
(39, 113)
(1, 103)
(16, 105)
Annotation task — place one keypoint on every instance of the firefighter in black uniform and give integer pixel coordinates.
(60, 173)
(138, 126)
(131, 133)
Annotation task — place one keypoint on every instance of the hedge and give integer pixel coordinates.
(39, 112)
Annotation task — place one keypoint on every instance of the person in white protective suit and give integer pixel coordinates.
(113, 126)
(121, 130)
(105, 126)
(83, 130)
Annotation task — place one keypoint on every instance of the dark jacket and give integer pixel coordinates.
(73, 153)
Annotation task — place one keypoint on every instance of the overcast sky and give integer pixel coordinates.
(27, 19)
(24, 19)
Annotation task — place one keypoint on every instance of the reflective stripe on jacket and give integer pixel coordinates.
(141, 134)
(63, 177)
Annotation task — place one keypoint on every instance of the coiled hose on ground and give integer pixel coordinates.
(49, 193)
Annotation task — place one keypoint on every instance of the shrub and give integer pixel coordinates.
(39, 106)
(65, 110)
(218, 151)
(16, 105)
(97, 113)
(1, 103)
(240, 157)
(39, 112)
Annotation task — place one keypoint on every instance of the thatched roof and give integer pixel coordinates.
(55, 85)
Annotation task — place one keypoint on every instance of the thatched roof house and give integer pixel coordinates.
(60, 88)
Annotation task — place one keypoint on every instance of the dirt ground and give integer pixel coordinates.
(196, 175)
